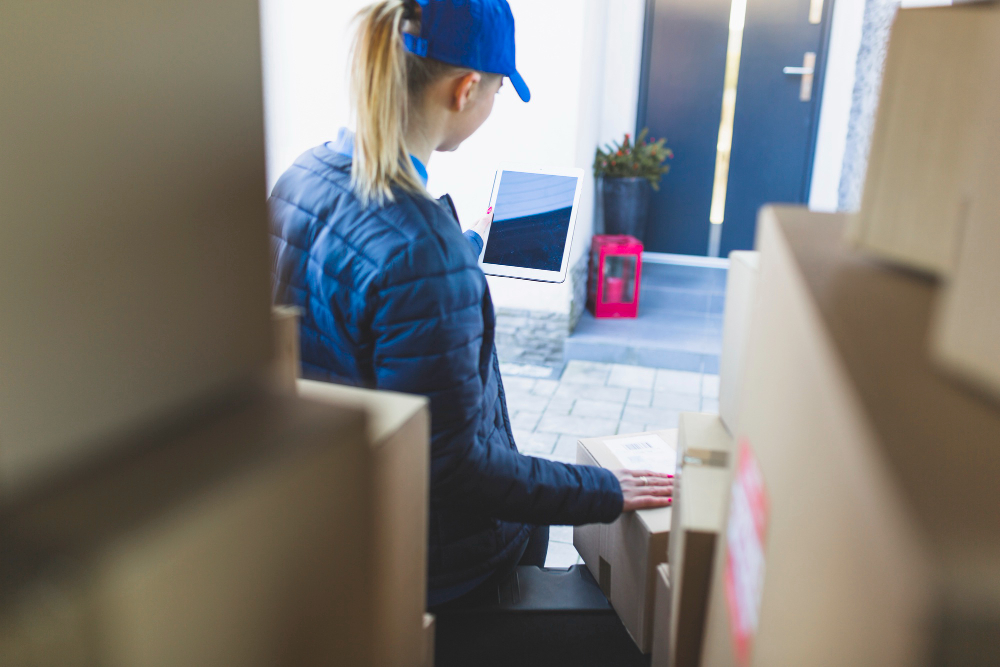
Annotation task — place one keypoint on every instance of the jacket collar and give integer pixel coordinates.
(344, 144)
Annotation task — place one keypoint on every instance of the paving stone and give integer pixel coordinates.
(524, 402)
(633, 413)
(559, 406)
(525, 421)
(710, 386)
(671, 422)
(512, 323)
(710, 405)
(633, 377)
(586, 372)
(602, 409)
(561, 534)
(561, 555)
(566, 447)
(545, 387)
(535, 443)
(592, 392)
(518, 384)
(641, 397)
(668, 400)
(679, 382)
(624, 427)
(526, 370)
(582, 426)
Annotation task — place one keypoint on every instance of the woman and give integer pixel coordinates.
(393, 297)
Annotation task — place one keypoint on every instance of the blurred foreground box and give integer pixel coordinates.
(623, 555)
(862, 525)
(741, 293)
(701, 489)
(398, 498)
(134, 225)
(936, 117)
(260, 536)
(966, 333)
(221, 543)
(662, 600)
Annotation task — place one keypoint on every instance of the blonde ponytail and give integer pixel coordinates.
(380, 95)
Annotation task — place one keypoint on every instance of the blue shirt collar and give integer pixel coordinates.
(344, 144)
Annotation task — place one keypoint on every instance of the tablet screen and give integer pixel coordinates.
(531, 218)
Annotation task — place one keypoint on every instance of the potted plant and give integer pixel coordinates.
(627, 171)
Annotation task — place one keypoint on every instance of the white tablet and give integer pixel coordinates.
(534, 214)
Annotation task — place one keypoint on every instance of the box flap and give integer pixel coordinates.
(387, 411)
(705, 450)
(609, 452)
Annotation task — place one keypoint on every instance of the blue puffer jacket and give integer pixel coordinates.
(393, 298)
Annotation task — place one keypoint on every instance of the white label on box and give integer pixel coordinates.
(644, 452)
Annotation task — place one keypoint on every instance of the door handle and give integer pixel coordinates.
(807, 71)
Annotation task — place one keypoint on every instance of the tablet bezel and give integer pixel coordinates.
(507, 271)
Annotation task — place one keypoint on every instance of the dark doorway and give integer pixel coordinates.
(772, 126)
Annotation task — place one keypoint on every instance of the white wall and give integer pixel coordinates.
(305, 49)
(580, 58)
(835, 113)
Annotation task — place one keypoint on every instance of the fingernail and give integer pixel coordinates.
(670, 476)
(670, 500)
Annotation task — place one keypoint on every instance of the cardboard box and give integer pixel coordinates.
(429, 628)
(927, 146)
(741, 288)
(234, 541)
(399, 437)
(661, 618)
(286, 365)
(862, 562)
(136, 261)
(623, 555)
(701, 491)
(966, 332)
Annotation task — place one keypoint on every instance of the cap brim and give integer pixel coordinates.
(520, 86)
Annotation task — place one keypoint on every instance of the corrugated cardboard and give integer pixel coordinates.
(399, 433)
(623, 555)
(866, 563)
(938, 100)
(741, 287)
(134, 234)
(662, 601)
(701, 490)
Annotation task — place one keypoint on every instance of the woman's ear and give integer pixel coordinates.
(464, 88)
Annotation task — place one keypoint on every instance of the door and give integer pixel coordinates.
(734, 86)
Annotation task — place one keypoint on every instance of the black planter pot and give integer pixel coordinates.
(626, 206)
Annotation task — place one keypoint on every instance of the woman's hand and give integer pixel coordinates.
(482, 226)
(644, 489)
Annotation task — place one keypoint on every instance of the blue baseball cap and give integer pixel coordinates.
(478, 34)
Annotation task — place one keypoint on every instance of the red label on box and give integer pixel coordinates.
(745, 534)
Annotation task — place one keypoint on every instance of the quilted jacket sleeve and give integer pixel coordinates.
(428, 327)
(475, 240)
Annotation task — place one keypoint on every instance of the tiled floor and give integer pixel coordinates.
(594, 399)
